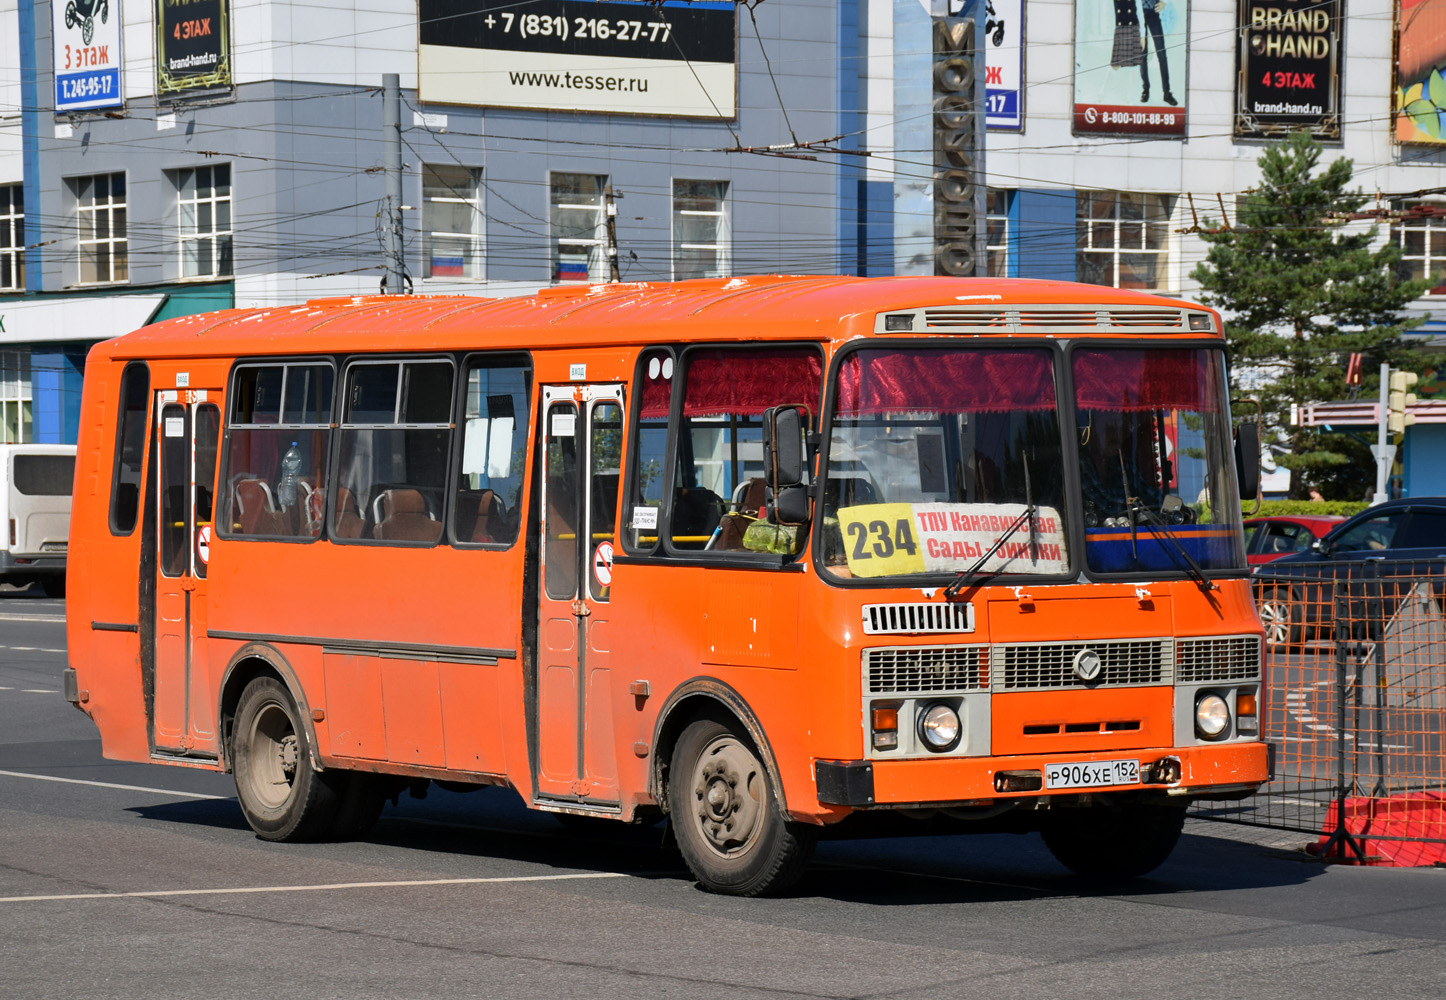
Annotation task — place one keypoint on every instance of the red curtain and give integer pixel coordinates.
(743, 382)
(945, 381)
(1133, 380)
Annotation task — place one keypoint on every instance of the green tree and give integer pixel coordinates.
(1301, 292)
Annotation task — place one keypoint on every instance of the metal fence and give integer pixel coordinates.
(1355, 676)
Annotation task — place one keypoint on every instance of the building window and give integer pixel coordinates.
(996, 212)
(100, 203)
(1121, 238)
(1421, 235)
(204, 200)
(12, 237)
(579, 233)
(700, 229)
(452, 222)
(16, 418)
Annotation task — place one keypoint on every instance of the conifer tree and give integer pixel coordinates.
(1301, 291)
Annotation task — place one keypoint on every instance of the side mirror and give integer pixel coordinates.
(783, 446)
(783, 462)
(1247, 459)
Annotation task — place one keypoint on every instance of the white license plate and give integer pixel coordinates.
(1092, 774)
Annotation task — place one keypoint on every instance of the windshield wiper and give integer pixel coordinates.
(1159, 528)
(966, 577)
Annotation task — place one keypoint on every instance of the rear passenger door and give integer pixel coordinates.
(187, 431)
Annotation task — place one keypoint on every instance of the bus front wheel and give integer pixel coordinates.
(1124, 841)
(726, 817)
(282, 796)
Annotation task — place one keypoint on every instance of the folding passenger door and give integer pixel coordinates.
(583, 433)
(188, 426)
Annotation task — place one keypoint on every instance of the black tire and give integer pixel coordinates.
(54, 586)
(726, 817)
(71, 17)
(282, 796)
(1117, 842)
(1281, 614)
(87, 29)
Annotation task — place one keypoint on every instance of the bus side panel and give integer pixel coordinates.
(387, 705)
(102, 596)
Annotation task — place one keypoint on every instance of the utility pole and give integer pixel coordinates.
(612, 224)
(394, 277)
(1384, 451)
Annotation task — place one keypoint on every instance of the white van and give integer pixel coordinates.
(35, 486)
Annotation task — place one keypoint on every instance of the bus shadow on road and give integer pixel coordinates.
(896, 871)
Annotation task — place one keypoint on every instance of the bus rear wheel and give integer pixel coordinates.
(282, 796)
(1123, 841)
(726, 817)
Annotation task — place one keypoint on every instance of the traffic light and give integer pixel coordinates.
(1397, 419)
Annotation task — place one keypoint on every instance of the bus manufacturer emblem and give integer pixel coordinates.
(1087, 664)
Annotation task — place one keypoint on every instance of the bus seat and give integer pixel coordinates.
(254, 510)
(404, 518)
(348, 521)
(490, 514)
(848, 491)
(696, 512)
(749, 499)
(313, 506)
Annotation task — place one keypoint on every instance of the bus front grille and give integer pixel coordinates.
(1218, 658)
(908, 670)
(1045, 665)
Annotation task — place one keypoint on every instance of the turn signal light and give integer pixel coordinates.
(886, 727)
(1245, 713)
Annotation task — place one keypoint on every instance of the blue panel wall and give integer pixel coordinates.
(55, 375)
(1045, 240)
(876, 228)
(1424, 461)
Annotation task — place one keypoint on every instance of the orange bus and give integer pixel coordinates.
(765, 555)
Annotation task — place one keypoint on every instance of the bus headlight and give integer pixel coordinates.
(1212, 716)
(939, 727)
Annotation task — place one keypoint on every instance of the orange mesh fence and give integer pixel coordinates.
(1355, 677)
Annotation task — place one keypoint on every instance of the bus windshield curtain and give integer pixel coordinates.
(943, 381)
(1135, 380)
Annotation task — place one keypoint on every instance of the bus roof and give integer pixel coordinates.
(765, 307)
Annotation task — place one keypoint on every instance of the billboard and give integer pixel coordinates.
(1129, 66)
(85, 37)
(1420, 110)
(1004, 65)
(1288, 68)
(677, 57)
(193, 49)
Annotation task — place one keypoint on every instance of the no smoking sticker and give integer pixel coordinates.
(602, 564)
(203, 544)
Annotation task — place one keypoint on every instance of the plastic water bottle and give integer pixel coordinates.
(290, 470)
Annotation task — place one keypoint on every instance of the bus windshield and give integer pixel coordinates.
(1155, 455)
(934, 454)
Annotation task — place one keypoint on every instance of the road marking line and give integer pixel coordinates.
(159, 893)
(6, 689)
(38, 691)
(59, 620)
(109, 784)
(21, 649)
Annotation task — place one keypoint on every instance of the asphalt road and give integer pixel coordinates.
(137, 880)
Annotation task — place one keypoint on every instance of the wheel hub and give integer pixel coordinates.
(728, 788)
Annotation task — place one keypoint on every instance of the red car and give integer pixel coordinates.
(1268, 538)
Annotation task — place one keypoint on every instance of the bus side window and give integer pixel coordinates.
(718, 490)
(486, 509)
(395, 436)
(278, 437)
(130, 446)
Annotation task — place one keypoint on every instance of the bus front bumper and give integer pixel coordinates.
(1229, 770)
